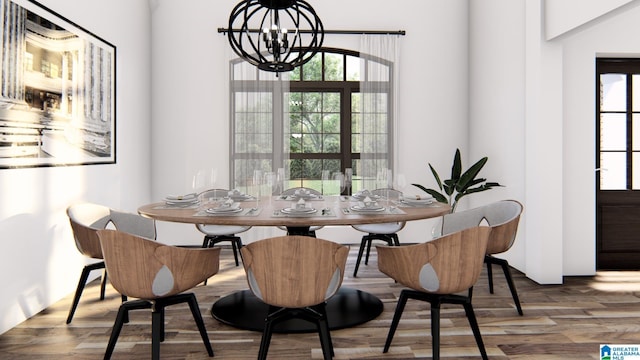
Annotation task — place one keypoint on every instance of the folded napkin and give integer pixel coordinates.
(227, 203)
(367, 203)
(301, 204)
(235, 192)
(362, 193)
(302, 192)
(419, 197)
(191, 196)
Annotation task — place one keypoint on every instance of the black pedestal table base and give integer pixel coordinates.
(347, 308)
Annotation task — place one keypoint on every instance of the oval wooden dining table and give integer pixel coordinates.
(349, 307)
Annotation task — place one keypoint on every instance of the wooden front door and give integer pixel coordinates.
(618, 164)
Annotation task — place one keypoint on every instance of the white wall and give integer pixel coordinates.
(39, 263)
(497, 105)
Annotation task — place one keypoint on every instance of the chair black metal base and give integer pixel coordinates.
(390, 239)
(316, 314)
(300, 230)
(236, 243)
(435, 300)
(82, 282)
(489, 260)
(157, 321)
(347, 308)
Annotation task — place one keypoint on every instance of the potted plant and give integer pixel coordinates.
(460, 184)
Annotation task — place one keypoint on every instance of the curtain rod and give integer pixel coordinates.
(338, 32)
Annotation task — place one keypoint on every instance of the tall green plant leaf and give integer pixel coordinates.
(469, 175)
(460, 184)
(456, 169)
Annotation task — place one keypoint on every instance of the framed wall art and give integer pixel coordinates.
(58, 101)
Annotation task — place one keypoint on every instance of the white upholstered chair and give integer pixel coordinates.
(214, 234)
(292, 191)
(386, 232)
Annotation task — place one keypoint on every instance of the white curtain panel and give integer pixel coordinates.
(259, 113)
(379, 60)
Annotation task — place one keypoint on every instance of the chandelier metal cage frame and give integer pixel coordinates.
(290, 33)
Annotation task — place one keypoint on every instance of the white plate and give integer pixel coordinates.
(240, 197)
(367, 209)
(362, 197)
(225, 210)
(304, 196)
(169, 200)
(419, 201)
(299, 211)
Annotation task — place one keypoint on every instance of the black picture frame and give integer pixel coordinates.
(58, 90)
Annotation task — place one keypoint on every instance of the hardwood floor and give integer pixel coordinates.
(566, 321)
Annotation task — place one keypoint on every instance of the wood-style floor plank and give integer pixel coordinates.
(566, 321)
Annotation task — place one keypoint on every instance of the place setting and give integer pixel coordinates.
(302, 209)
(370, 206)
(237, 195)
(229, 207)
(417, 201)
(186, 201)
(301, 194)
(363, 194)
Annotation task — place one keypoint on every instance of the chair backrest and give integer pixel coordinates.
(214, 194)
(446, 265)
(86, 219)
(503, 216)
(294, 271)
(147, 269)
(292, 191)
(390, 193)
(134, 224)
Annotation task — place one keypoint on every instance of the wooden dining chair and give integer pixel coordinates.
(435, 272)
(295, 276)
(86, 219)
(157, 275)
(503, 217)
(387, 232)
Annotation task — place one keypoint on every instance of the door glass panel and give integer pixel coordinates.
(613, 132)
(636, 132)
(613, 171)
(613, 92)
(635, 93)
(636, 170)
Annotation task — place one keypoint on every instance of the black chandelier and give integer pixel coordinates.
(275, 35)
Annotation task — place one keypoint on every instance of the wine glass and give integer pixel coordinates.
(339, 183)
(326, 174)
(257, 183)
(280, 180)
(401, 184)
(270, 183)
(348, 179)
